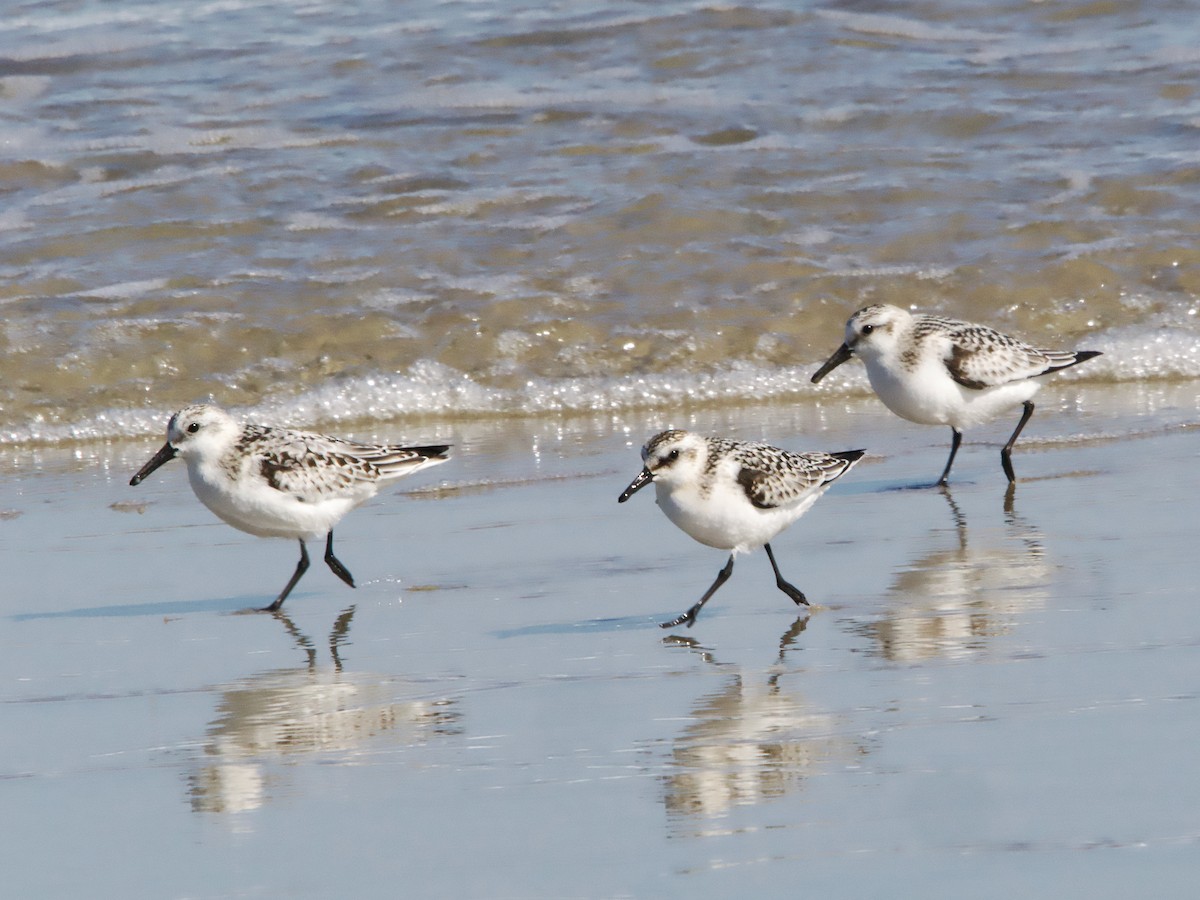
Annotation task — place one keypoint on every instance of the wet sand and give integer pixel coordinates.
(991, 696)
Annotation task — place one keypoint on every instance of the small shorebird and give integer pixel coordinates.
(939, 371)
(273, 482)
(734, 495)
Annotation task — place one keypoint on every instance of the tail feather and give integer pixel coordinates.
(431, 451)
(1070, 359)
(395, 462)
(850, 456)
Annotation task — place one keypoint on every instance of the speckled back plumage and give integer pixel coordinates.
(981, 357)
(314, 466)
(772, 477)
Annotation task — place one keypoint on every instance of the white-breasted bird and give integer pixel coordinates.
(734, 495)
(940, 371)
(275, 482)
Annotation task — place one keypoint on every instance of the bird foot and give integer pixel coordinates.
(688, 617)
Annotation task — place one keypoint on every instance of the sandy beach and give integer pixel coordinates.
(989, 697)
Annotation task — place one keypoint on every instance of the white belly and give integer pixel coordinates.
(729, 521)
(258, 509)
(931, 397)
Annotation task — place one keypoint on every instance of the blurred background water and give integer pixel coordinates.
(329, 212)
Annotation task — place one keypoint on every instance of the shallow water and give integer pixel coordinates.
(990, 697)
(431, 220)
(328, 212)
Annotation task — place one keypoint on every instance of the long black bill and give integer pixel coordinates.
(644, 478)
(840, 355)
(165, 455)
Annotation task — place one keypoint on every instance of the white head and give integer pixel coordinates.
(670, 458)
(193, 432)
(871, 332)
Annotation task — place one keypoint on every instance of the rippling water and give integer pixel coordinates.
(325, 211)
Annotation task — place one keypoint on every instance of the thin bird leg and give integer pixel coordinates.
(954, 442)
(301, 568)
(690, 616)
(791, 590)
(332, 561)
(1006, 453)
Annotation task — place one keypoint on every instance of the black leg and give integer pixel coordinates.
(301, 568)
(332, 561)
(1006, 453)
(791, 590)
(690, 616)
(954, 442)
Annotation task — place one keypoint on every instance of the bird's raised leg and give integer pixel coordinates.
(791, 590)
(332, 561)
(1006, 453)
(690, 616)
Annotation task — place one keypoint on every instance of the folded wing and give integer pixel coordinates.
(313, 467)
(785, 477)
(979, 357)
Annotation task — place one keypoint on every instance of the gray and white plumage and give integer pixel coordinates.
(314, 469)
(734, 495)
(979, 357)
(276, 482)
(936, 370)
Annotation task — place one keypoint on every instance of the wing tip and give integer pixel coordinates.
(1074, 358)
(849, 456)
(432, 451)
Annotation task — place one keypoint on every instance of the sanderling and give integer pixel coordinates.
(734, 495)
(939, 371)
(272, 482)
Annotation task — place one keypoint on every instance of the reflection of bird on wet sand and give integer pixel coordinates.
(750, 741)
(952, 599)
(337, 635)
(306, 710)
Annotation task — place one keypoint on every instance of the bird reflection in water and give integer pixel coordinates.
(952, 600)
(282, 715)
(751, 741)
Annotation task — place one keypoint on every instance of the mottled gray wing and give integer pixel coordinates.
(394, 462)
(315, 466)
(980, 357)
(308, 466)
(773, 477)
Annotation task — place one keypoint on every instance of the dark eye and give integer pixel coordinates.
(867, 329)
(193, 427)
(672, 456)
